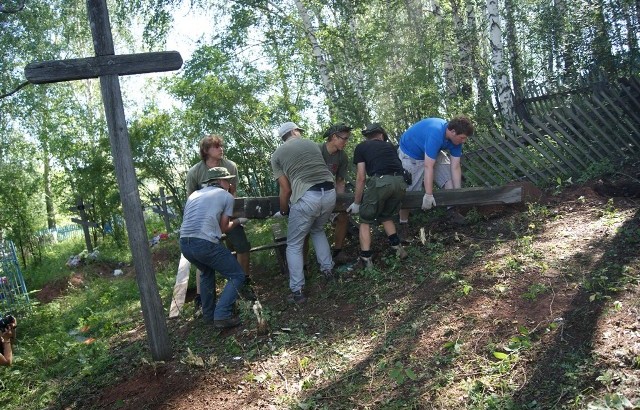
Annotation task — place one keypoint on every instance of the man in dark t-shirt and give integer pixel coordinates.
(380, 198)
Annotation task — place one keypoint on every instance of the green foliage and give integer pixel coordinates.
(596, 170)
(534, 290)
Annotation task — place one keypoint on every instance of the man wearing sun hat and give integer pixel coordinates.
(307, 196)
(207, 215)
(212, 155)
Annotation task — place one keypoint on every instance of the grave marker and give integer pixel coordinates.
(163, 208)
(84, 221)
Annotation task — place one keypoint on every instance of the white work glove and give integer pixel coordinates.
(353, 208)
(279, 215)
(242, 221)
(428, 202)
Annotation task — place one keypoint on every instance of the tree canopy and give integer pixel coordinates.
(260, 63)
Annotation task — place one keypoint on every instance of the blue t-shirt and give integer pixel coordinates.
(427, 137)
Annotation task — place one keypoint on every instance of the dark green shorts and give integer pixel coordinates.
(237, 240)
(382, 198)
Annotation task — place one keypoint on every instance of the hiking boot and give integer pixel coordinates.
(246, 291)
(455, 217)
(400, 252)
(341, 258)
(404, 234)
(297, 297)
(233, 321)
(367, 261)
(329, 275)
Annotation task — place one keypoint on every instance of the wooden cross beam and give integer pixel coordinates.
(163, 209)
(84, 222)
(265, 207)
(107, 66)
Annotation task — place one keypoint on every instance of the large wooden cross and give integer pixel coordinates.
(163, 209)
(83, 221)
(108, 66)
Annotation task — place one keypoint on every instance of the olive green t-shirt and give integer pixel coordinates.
(198, 172)
(338, 162)
(300, 160)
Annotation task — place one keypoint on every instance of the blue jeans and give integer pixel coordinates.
(210, 257)
(309, 215)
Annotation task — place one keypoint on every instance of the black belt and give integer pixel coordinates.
(323, 185)
(392, 174)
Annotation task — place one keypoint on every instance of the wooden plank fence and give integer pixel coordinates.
(565, 134)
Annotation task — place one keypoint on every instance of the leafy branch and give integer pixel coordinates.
(4, 10)
(15, 90)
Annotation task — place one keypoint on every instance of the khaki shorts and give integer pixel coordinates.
(382, 198)
(441, 170)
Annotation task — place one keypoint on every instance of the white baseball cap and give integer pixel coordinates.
(286, 127)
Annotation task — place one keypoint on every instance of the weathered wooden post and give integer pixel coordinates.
(163, 209)
(84, 222)
(108, 66)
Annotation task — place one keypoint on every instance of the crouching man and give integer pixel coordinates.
(207, 215)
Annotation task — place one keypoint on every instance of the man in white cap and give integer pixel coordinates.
(307, 196)
(207, 215)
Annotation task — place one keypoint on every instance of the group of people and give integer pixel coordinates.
(309, 176)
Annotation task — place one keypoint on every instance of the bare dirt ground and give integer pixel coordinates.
(553, 285)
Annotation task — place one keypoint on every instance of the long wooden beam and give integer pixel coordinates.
(93, 67)
(264, 207)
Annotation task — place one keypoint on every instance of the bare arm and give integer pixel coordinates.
(285, 193)
(226, 224)
(340, 185)
(456, 172)
(361, 176)
(428, 174)
(6, 359)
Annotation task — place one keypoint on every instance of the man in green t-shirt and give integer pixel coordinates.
(337, 161)
(307, 196)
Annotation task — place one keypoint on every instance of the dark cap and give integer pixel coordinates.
(336, 128)
(374, 128)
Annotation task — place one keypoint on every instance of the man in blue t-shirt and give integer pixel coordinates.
(422, 152)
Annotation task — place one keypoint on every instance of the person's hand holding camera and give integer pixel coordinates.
(7, 336)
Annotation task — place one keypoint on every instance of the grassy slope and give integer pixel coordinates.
(529, 308)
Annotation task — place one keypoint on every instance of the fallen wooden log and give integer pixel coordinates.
(265, 207)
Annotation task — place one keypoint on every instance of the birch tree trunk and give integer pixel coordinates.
(515, 61)
(500, 75)
(477, 55)
(318, 54)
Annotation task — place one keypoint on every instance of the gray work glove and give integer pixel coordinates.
(428, 202)
(279, 215)
(242, 221)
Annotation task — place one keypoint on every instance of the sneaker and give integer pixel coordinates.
(329, 275)
(367, 262)
(233, 321)
(297, 297)
(341, 258)
(400, 252)
(404, 234)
